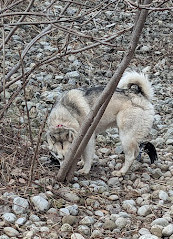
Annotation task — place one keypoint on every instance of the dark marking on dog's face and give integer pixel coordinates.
(59, 141)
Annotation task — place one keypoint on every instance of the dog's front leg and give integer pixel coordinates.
(88, 156)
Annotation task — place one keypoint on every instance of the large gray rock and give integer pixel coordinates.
(66, 228)
(77, 236)
(87, 221)
(9, 217)
(168, 230)
(20, 205)
(11, 232)
(148, 236)
(144, 210)
(160, 221)
(40, 203)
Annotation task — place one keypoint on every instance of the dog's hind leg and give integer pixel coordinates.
(131, 150)
(88, 156)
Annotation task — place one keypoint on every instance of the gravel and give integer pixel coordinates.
(136, 206)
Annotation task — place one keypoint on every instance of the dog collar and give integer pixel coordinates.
(59, 126)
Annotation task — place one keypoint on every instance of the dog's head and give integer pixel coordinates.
(59, 140)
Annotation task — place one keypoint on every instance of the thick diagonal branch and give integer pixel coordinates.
(67, 170)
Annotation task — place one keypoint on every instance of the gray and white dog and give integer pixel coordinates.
(130, 109)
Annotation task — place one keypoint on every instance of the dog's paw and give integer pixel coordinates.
(83, 171)
(117, 173)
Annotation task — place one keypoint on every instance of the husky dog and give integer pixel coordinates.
(130, 109)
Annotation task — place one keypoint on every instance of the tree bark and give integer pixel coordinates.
(66, 171)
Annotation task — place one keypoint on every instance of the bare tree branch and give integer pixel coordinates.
(8, 14)
(26, 104)
(20, 20)
(57, 56)
(11, 6)
(3, 63)
(148, 6)
(37, 149)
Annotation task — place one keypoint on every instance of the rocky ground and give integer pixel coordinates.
(138, 205)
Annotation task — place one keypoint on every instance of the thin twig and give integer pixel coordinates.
(8, 14)
(148, 7)
(10, 101)
(26, 104)
(45, 31)
(36, 150)
(57, 56)
(11, 6)
(98, 12)
(3, 62)
(20, 20)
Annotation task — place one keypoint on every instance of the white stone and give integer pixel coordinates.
(131, 202)
(87, 221)
(168, 230)
(145, 48)
(84, 229)
(96, 234)
(9, 217)
(144, 210)
(34, 218)
(148, 236)
(28, 234)
(73, 209)
(121, 222)
(129, 205)
(11, 232)
(20, 221)
(105, 151)
(4, 237)
(144, 231)
(69, 195)
(163, 195)
(64, 212)
(160, 221)
(77, 236)
(44, 229)
(40, 203)
(99, 213)
(66, 228)
(113, 197)
(72, 74)
(20, 205)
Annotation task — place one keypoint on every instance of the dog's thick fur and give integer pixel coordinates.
(130, 110)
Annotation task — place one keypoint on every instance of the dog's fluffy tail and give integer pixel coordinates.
(134, 78)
